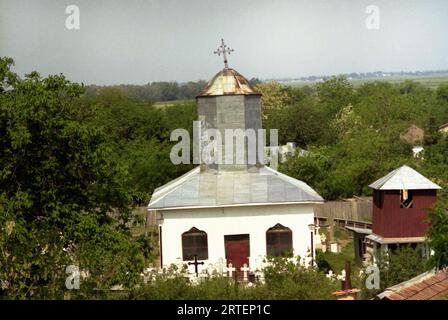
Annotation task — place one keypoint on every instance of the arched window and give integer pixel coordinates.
(279, 241)
(194, 242)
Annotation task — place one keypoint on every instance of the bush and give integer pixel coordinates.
(285, 278)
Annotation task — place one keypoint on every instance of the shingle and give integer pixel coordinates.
(395, 296)
(427, 286)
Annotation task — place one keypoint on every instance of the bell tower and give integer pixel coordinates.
(230, 108)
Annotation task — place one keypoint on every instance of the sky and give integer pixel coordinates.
(141, 41)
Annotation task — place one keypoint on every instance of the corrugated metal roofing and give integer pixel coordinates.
(382, 240)
(427, 286)
(359, 230)
(224, 188)
(404, 178)
(228, 82)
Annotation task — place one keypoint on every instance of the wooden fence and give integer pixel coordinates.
(356, 210)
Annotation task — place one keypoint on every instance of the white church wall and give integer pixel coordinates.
(252, 220)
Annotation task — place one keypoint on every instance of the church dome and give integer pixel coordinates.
(228, 82)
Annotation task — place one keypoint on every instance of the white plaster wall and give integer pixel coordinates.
(252, 220)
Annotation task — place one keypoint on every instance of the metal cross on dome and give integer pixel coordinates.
(224, 49)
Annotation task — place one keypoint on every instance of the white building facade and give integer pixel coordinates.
(251, 221)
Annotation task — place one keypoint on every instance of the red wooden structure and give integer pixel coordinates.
(400, 203)
(391, 220)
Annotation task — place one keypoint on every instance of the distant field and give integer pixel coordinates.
(163, 104)
(431, 81)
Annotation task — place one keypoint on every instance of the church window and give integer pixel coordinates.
(279, 241)
(194, 242)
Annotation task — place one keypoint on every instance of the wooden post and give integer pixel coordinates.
(146, 222)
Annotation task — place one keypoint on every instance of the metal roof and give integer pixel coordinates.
(359, 230)
(404, 178)
(381, 240)
(228, 82)
(229, 188)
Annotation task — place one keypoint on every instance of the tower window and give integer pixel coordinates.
(406, 198)
(194, 242)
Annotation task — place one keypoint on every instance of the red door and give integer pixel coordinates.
(237, 251)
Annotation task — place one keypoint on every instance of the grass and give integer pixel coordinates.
(430, 81)
(337, 261)
(340, 234)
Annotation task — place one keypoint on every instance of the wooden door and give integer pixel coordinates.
(237, 249)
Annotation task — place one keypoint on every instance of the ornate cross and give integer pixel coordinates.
(196, 263)
(224, 49)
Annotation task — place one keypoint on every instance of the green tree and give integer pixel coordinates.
(397, 266)
(274, 97)
(63, 198)
(438, 234)
(334, 94)
(300, 123)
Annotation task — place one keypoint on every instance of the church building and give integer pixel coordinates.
(236, 213)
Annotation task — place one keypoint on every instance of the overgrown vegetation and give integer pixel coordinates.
(157, 91)
(398, 265)
(438, 235)
(353, 136)
(73, 165)
(284, 279)
(64, 197)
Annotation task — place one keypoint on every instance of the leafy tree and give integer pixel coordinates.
(435, 165)
(438, 234)
(62, 195)
(300, 123)
(442, 93)
(334, 94)
(254, 81)
(140, 136)
(155, 91)
(348, 167)
(274, 97)
(397, 266)
(311, 168)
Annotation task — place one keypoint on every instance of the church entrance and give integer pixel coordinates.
(237, 251)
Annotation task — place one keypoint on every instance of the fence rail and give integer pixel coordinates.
(345, 210)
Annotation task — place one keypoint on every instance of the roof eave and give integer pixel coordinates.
(235, 205)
